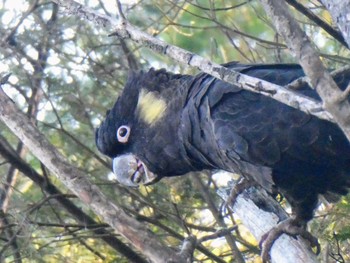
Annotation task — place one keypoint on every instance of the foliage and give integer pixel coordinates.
(67, 72)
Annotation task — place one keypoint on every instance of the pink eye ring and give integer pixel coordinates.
(123, 134)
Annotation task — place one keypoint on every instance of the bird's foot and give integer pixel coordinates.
(290, 226)
(242, 185)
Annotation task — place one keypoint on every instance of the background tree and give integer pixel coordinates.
(66, 73)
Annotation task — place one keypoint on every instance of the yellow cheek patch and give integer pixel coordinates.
(150, 107)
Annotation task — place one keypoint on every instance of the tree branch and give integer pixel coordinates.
(8, 153)
(122, 28)
(340, 11)
(326, 27)
(219, 219)
(11, 237)
(302, 49)
(259, 212)
(76, 181)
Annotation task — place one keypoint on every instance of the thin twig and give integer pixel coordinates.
(302, 48)
(126, 30)
(217, 234)
(326, 27)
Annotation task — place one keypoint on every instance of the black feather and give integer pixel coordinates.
(210, 124)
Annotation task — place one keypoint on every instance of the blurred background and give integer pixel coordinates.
(66, 72)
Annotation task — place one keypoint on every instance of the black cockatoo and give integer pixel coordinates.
(166, 124)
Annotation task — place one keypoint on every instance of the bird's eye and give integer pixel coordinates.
(123, 134)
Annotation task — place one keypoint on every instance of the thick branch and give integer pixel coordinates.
(340, 10)
(260, 213)
(321, 23)
(76, 181)
(302, 49)
(125, 30)
(76, 212)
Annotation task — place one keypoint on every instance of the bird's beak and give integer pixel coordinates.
(130, 171)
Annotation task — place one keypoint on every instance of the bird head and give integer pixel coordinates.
(140, 132)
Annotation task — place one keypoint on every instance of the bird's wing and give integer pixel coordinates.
(234, 129)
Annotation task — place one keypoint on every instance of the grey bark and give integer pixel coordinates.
(259, 212)
(76, 181)
(334, 100)
(340, 12)
(123, 29)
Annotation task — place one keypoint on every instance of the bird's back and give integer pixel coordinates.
(304, 155)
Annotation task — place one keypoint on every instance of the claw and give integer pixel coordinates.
(242, 185)
(290, 226)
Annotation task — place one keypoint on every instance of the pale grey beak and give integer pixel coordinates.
(130, 171)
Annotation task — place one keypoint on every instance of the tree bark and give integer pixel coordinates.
(75, 180)
(123, 29)
(340, 12)
(259, 212)
(334, 100)
(17, 162)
